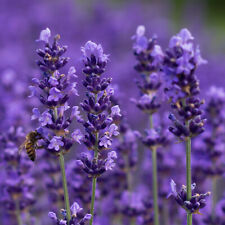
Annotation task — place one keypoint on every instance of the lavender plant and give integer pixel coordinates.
(18, 186)
(99, 125)
(149, 57)
(180, 63)
(53, 89)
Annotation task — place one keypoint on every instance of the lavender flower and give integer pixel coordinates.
(77, 218)
(181, 61)
(96, 168)
(149, 58)
(193, 205)
(53, 90)
(99, 126)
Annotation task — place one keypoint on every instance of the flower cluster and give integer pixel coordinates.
(77, 216)
(180, 62)
(53, 90)
(95, 168)
(197, 201)
(100, 126)
(149, 58)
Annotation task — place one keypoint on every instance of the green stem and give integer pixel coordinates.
(18, 216)
(154, 178)
(188, 176)
(151, 121)
(66, 195)
(155, 186)
(189, 219)
(94, 181)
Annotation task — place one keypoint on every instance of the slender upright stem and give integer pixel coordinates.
(189, 219)
(188, 176)
(66, 195)
(18, 216)
(94, 181)
(154, 178)
(151, 121)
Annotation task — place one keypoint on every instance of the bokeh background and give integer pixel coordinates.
(111, 23)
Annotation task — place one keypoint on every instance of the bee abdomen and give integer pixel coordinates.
(30, 151)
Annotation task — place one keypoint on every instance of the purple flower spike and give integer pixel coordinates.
(180, 63)
(56, 143)
(53, 89)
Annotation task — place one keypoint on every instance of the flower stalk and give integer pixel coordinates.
(188, 176)
(94, 179)
(154, 177)
(66, 194)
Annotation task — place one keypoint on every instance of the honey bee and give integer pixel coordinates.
(30, 144)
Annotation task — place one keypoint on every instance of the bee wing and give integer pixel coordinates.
(22, 146)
